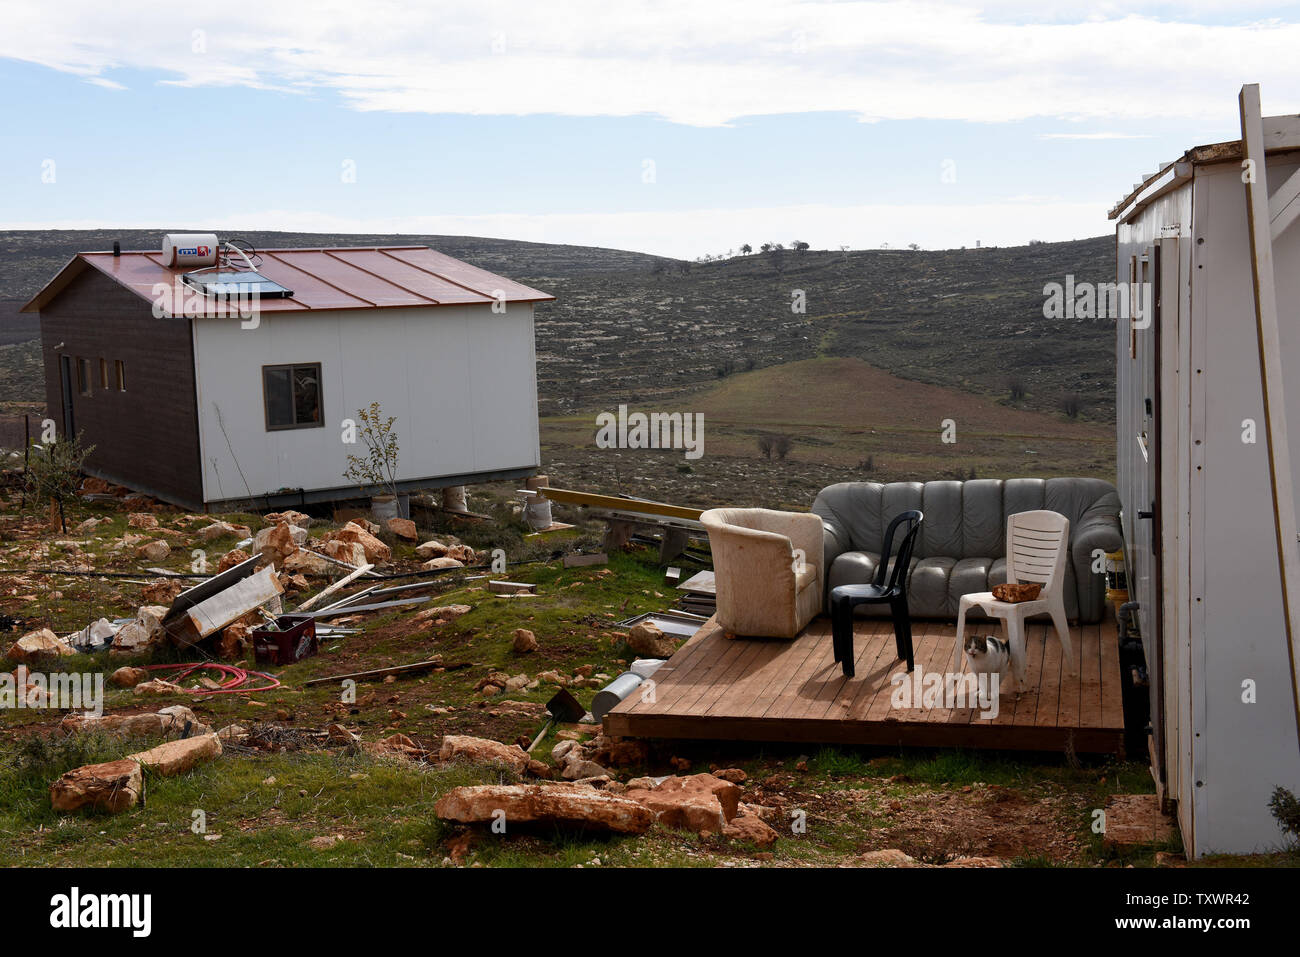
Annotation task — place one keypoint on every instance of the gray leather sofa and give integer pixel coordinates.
(962, 544)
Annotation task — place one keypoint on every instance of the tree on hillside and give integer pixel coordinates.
(54, 472)
(746, 249)
(799, 246)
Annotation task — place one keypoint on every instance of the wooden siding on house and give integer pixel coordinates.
(146, 437)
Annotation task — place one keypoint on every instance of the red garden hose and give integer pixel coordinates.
(233, 678)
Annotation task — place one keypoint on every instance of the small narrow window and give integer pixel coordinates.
(83, 376)
(103, 373)
(119, 375)
(292, 395)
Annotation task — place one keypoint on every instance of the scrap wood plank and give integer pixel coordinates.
(344, 610)
(357, 573)
(247, 594)
(615, 503)
(511, 588)
(378, 672)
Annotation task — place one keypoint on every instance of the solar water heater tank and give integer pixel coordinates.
(183, 250)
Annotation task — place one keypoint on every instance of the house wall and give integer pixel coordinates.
(1228, 713)
(461, 381)
(146, 437)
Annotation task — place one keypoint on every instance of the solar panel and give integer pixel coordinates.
(234, 285)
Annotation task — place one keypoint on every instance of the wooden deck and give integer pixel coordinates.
(768, 690)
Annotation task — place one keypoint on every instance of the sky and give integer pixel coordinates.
(677, 128)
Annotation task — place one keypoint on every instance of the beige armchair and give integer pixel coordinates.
(768, 569)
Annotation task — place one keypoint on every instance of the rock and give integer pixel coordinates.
(304, 562)
(444, 562)
(140, 635)
(398, 744)
(37, 647)
(231, 559)
(234, 642)
(155, 550)
(525, 641)
(233, 734)
(890, 857)
(403, 528)
(324, 842)
(87, 527)
(647, 640)
(127, 677)
(112, 786)
(350, 552)
(278, 542)
(177, 757)
(483, 751)
(443, 613)
(563, 748)
(545, 804)
(158, 687)
(463, 554)
(141, 520)
(699, 803)
(577, 767)
(975, 862)
(376, 552)
(340, 735)
(430, 550)
(169, 722)
(751, 828)
(734, 775)
(288, 517)
(220, 530)
(162, 591)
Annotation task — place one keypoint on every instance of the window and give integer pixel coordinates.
(292, 396)
(103, 373)
(83, 376)
(119, 374)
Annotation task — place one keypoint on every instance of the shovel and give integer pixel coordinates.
(562, 707)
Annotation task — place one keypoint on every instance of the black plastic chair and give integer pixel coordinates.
(844, 598)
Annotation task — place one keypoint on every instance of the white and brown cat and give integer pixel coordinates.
(988, 655)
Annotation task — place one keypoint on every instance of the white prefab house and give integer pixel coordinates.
(208, 395)
(1194, 478)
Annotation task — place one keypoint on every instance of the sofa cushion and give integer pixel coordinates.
(927, 591)
(983, 527)
(941, 532)
(852, 568)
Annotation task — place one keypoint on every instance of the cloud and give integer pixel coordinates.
(690, 233)
(691, 63)
(1094, 136)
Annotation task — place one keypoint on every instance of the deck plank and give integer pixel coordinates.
(771, 690)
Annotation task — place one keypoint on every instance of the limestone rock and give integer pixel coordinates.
(463, 554)
(161, 591)
(351, 552)
(127, 677)
(113, 786)
(444, 562)
(221, 529)
(545, 803)
(37, 647)
(278, 542)
(376, 552)
(751, 828)
(889, 857)
(141, 520)
(177, 757)
(142, 634)
(525, 641)
(647, 640)
(232, 558)
(483, 751)
(403, 528)
(430, 550)
(288, 517)
(166, 723)
(234, 642)
(157, 687)
(154, 550)
(304, 562)
(698, 802)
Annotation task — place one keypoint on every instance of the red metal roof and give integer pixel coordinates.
(370, 277)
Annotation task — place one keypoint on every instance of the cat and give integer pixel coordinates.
(988, 655)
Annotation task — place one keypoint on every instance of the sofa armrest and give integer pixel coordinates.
(1099, 530)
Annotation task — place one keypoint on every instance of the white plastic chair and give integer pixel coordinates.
(1036, 551)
